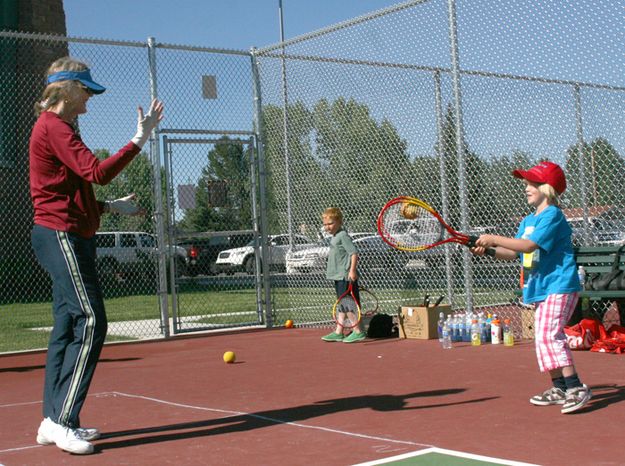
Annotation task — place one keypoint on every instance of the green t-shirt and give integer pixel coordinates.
(340, 257)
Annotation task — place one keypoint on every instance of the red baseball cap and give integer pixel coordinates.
(545, 172)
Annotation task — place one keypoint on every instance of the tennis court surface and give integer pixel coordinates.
(292, 399)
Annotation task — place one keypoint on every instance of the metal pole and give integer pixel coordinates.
(460, 152)
(582, 162)
(155, 156)
(169, 176)
(256, 227)
(262, 176)
(443, 180)
(285, 129)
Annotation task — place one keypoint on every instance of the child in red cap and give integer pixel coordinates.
(551, 283)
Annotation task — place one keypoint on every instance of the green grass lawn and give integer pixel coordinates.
(202, 306)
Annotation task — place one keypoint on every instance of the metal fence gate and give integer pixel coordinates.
(214, 175)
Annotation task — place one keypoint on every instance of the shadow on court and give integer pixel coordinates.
(604, 396)
(261, 419)
(43, 366)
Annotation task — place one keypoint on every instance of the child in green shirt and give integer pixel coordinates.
(342, 268)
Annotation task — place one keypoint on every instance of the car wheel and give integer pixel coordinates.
(250, 265)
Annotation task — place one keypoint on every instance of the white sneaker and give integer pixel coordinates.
(69, 440)
(46, 432)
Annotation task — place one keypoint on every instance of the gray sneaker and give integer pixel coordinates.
(553, 396)
(576, 398)
(88, 433)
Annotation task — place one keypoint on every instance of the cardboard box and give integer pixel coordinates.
(420, 322)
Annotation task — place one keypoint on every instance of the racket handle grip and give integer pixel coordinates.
(489, 251)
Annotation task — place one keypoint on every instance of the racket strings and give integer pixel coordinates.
(420, 230)
(347, 304)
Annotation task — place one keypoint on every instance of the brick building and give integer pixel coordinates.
(22, 67)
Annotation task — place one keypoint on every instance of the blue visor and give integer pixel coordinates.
(82, 76)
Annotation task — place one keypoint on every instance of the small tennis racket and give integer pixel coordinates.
(346, 311)
(409, 224)
(369, 303)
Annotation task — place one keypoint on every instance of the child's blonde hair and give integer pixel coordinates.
(333, 213)
(550, 193)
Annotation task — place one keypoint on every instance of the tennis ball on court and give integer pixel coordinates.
(288, 323)
(408, 210)
(229, 357)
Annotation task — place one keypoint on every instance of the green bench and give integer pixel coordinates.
(597, 260)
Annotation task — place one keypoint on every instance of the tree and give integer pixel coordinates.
(229, 168)
(135, 178)
(603, 168)
(475, 176)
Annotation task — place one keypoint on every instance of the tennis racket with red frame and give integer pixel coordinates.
(346, 311)
(409, 224)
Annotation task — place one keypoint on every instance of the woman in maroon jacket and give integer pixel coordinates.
(67, 215)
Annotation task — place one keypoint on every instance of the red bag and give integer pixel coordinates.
(583, 335)
(613, 343)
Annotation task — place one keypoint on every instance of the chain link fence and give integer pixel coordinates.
(142, 261)
(441, 100)
(437, 99)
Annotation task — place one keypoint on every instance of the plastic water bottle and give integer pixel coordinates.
(476, 333)
(508, 336)
(581, 273)
(441, 323)
(447, 334)
(486, 335)
(455, 329)
(495, 331)
(467, 321)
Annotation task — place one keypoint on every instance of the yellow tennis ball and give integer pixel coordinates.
(408, 210)
(288, 323)
(229, 357)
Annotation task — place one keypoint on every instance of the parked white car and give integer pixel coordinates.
(314, 259)
(243, 260)
(124, 251)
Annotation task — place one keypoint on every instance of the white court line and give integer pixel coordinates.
(232, 414)
(274, 420)
(443, 451)
(26, 403)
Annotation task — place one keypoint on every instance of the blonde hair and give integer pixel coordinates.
(333, 213)
(57, 91)
(550, 193)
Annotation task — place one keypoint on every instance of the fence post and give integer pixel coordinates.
(460, 152)
(155, 156)
(582, 165)
(443, 178)
(285, 128)
(258, 130)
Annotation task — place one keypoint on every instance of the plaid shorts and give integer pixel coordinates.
(552, 315)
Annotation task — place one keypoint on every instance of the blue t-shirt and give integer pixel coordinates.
(551, 268)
